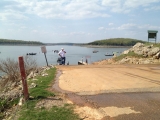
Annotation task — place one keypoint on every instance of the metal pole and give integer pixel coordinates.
(46, 58)
(23, 75)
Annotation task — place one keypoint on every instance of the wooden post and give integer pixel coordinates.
(23, 75)
(46, 58)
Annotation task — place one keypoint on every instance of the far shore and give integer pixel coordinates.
(103, 46)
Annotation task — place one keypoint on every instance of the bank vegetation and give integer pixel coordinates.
(116, 42)
(43, 103)
(19, 42)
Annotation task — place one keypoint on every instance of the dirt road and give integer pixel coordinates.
(112, 91)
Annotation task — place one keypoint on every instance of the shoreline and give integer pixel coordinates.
(103, 46)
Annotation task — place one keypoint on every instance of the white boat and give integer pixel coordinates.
(82, 63)
(109, 54)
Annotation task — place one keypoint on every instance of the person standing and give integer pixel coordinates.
(62, 55)
(86, 61)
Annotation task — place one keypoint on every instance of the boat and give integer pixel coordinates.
(55, 51)
(81, 63)
(109, 54)
(31, 53)
(95, 51)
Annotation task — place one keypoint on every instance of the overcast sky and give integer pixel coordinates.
(78, 21)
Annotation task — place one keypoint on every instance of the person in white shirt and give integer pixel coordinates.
(62, 55)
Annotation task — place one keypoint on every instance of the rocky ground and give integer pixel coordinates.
(147, 55)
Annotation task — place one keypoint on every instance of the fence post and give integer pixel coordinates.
(23, 76)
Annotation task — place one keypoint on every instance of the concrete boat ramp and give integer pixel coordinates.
(113, 92)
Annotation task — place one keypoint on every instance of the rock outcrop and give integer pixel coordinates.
(148, 54)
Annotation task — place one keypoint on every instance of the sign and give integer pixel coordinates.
(43, 49)
(151, 35)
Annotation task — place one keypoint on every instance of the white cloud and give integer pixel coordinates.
(137, 3)
(77, 33)
(127, 26)
(73, 9)
(34, 31)
(155, 8)
(64, 9)
(101, 28)
(133, 27)
(110, 24)
(148, 26)
(10, 15)
(126, 6)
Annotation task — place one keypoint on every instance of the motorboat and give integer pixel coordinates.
(31, 53)
(95, 51)
(55, 51)
(109, 54)
(82, 63)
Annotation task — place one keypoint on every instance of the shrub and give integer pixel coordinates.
(10, 67)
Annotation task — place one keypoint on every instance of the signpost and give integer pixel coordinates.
(24, 81)
(152, 35)
(43, 49)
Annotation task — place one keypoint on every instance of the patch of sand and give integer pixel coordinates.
(97, 114)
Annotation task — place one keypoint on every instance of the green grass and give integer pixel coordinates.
(154, 44)
(4, 104)
(130, 54)
(55, 113)
(29, 112)
(42, 84)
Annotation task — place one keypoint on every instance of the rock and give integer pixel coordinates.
(126, 52)
(124, 60)
(157, 56)
(138, 45)
(31, 75)
(153, 51)
(21, 101)
(45, 74)
(33, 85)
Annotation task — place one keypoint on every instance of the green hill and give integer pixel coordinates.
(116, 42)
(19, 42)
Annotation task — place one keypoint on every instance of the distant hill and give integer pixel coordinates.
(106, 42)
(116, 42)
(19, 42)
(65, 43)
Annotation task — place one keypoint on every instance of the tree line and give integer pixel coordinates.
(116, 42)
(19, 42)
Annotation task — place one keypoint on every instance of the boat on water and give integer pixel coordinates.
(82, 63)
(31, 53)
(109, 54)
(95, 51)
(55, 51)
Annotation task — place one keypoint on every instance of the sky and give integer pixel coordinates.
(78, 21)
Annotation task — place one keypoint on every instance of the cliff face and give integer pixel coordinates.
(148, 54)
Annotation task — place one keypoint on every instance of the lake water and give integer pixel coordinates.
(73, 55)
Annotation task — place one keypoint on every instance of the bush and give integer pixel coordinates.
(10, 67)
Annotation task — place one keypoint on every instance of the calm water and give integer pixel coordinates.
(73, 55)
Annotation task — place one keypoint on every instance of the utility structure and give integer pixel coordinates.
(152, 35)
